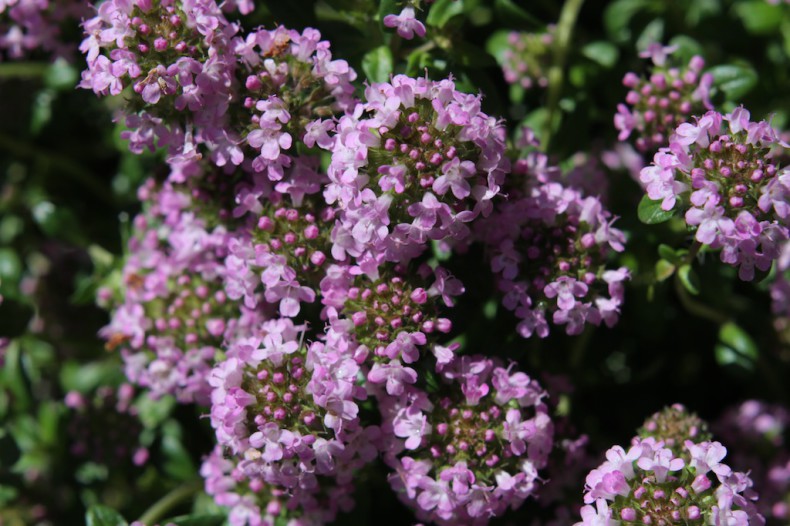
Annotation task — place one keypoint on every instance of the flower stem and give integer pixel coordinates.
(696, 308)
(169, 501)
(565, 25)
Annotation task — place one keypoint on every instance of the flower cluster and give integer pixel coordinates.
(735, 196)
(548, 249)
(651, 484)
(175, 313)
(297, 304)
(756, 433)
(655, 105)
(415, 162)
(288, 411)
(526, 62)
(199, 85)
(252, 502)
(473, 448)
(30, 26)
(674, 425)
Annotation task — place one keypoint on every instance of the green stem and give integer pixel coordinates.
(565, 25)
(169, 501)
(696, 308)
(23, 70)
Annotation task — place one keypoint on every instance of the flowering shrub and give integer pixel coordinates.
(341, 262)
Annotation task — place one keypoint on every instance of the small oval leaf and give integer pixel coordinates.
(651, 213)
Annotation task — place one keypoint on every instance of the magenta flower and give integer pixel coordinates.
(406, 22)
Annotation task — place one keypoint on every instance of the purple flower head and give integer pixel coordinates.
(661, 100)
(548, 248)
(653, 484)
(527, 59)
(419, 160)
(474, 452)
(738, 192)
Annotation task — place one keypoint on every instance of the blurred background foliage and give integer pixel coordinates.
(690, 334)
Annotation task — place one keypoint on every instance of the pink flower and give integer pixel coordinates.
(406, 23)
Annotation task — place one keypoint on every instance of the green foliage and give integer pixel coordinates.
(651, 213)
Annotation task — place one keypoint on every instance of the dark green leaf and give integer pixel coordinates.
(688, 278)
(651, 213)
(515, 15)
(377, 64)
(602, 52)
(443, 10)
(668, 253)
(196, 520)
(101, 515)
(734, 80)
(617, 18)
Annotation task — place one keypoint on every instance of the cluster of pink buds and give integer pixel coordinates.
(526, 62)
(674, 425)
(655, 105)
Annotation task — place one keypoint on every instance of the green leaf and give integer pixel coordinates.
(377, 64)
(42, 110)
(617, 18)
(738, 339)
(688, 278)
(736, 347)
(153, 412)
(498, 44)
(417, 62)
(651, 213)
(734, 80)
(101, 515)
(664, 270)
(196, 520)
(10, 265)
(442, 11)
(699, 10)
(668, 253)
(61, 75)
(759, 17)
(602, 52)
(515, 15)
(687, 47)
